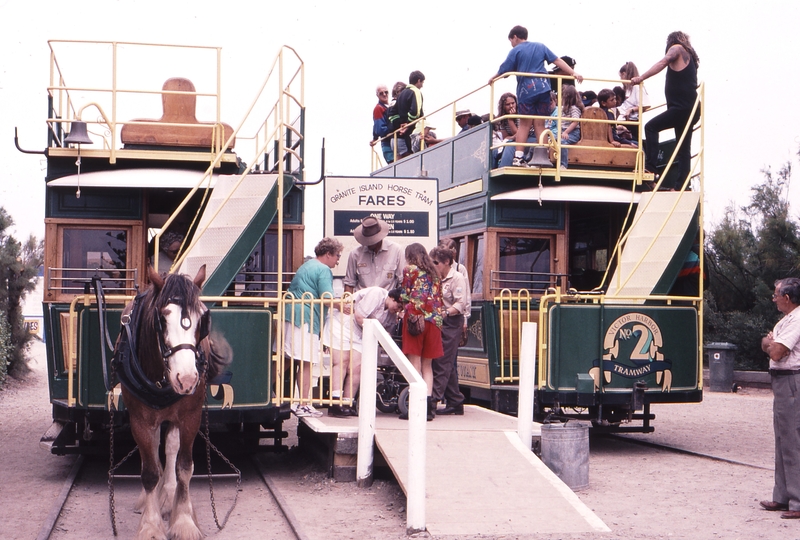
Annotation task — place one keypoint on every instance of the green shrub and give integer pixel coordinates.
(6, 348)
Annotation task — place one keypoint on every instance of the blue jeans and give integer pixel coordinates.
(508, 154)
(677, 119)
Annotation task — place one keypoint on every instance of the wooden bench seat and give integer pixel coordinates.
(596, 134)
(178, 109)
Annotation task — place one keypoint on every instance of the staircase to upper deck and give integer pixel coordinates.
(241, 207)
(662, 233)
(239, 212)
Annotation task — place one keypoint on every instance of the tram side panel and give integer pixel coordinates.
(597, 354)
(240, 395)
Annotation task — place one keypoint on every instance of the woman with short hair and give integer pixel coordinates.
(301, 325)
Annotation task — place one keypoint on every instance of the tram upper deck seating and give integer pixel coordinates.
(596, 134)
(178, 109)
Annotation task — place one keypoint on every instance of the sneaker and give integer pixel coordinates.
(518, 162)
(307, 411)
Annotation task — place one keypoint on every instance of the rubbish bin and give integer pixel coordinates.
(565, 451)
(720, 366)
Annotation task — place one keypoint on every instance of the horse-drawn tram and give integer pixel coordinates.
(583, 242)
(143, 172)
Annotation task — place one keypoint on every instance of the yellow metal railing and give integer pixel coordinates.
(285, 381)
(274, 116)
(437, 117)
(697, 165)
(291, 380)
(514, 308)
(273, 129)
(107, 86)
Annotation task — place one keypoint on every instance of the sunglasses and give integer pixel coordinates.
(384, 93)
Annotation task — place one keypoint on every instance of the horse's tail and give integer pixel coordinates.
(218, 352)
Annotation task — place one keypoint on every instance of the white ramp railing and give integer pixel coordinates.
(527, 368)
(417, 412)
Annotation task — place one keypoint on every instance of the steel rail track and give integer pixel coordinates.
(677, 450)
(52, 516)
(51, 519)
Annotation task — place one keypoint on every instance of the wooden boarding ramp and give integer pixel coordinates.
(480, 477)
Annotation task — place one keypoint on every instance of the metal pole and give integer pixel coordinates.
(527, 361)
(366, 404)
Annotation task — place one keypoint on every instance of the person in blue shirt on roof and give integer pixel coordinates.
(533, 93)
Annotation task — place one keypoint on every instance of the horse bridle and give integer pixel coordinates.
(204, 328)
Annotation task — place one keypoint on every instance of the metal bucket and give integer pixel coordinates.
(565, 451)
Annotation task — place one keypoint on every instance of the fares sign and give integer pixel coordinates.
(409, 205)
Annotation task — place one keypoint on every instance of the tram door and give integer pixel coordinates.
(526, 268)
(594, 230)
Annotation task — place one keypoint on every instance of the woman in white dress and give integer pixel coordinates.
(343, 335)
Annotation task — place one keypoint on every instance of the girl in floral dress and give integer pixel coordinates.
(423, 296)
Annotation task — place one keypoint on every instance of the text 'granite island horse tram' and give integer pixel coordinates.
(141, 171)
(582, 241)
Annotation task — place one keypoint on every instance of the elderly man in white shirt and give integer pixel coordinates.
(783, 347)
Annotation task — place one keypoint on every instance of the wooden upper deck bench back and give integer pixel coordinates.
(596, 134)
(178, 109)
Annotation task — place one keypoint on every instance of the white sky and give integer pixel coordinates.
(748, 60)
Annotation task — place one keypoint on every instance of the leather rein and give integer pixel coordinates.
(158, 394)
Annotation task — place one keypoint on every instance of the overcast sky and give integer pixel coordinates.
(748, 60)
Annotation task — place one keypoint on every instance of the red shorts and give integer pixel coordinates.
(426, 345)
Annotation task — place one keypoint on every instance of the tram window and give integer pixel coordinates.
(601, 259)
(525, 263)
(477, 268)
(94, 252)
(259, 273)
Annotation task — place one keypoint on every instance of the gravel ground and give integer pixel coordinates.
(639, 491)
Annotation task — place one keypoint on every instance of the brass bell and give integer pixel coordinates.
(78, 134)
(540, 158)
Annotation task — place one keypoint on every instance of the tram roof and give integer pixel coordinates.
(570, 193)
(138, 178)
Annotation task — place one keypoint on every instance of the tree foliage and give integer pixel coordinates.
(19, 267)
(751, 248)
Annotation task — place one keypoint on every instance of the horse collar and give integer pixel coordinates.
(157, 395)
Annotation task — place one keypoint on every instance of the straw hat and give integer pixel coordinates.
(371, 231)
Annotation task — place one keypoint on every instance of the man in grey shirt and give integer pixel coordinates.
(377, 262)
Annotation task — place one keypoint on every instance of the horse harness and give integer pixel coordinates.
(160, 394)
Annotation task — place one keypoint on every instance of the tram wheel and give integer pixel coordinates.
(402, 401)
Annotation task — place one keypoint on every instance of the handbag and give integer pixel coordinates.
(416, 324)
(464, 338)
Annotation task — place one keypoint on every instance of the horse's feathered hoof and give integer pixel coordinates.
(184, 528)
(150, 531)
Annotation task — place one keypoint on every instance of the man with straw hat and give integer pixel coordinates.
(377, 262)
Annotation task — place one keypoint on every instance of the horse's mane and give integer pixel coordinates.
(178, 289)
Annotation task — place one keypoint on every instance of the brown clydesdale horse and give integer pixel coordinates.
(163, 359)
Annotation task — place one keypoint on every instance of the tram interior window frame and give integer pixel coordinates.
(81, 242)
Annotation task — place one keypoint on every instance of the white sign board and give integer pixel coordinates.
(409, 205)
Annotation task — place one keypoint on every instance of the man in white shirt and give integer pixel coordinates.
(783, 347)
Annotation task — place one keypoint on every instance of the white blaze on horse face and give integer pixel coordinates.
(183, 374)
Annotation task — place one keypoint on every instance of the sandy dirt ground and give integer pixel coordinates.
(639, 491)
